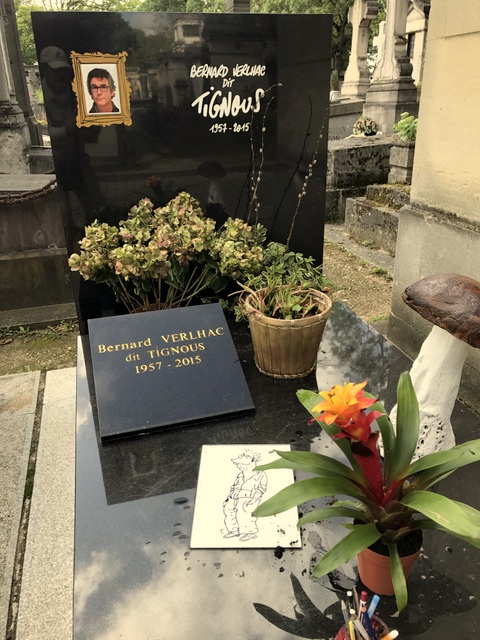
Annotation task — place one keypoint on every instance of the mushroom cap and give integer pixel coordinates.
(211, 169)
(450, 301)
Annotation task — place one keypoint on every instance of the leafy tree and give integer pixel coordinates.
(193, 6)
(170, 6)
(206, 6)
(342, 33)
(23, 9)
(25, 33)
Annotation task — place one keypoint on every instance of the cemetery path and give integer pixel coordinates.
(358, 281)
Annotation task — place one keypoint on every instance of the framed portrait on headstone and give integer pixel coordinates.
(102, 89)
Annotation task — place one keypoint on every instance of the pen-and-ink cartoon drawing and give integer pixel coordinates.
(229, 490)
(244, 496)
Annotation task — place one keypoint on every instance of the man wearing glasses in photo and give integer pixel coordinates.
(102, 89)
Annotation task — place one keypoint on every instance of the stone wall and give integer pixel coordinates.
(33, 258)
(343, 115)
(353, 164)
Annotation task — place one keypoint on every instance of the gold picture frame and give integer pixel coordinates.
(88, 113)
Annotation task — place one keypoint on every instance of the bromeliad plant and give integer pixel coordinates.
(388, 498)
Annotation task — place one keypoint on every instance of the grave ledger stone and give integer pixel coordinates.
(164, 369)
(150, 104)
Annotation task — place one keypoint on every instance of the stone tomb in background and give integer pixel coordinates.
(184, 85)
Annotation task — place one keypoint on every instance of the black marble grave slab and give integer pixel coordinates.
(136, 577)
(191, 128)
(165, 369)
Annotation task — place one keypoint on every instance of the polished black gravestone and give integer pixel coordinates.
(192, 117)
(165, 369)
(136, 576)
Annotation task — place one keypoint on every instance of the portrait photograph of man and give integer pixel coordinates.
(102, 89)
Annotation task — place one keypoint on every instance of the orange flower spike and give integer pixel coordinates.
(342, 403)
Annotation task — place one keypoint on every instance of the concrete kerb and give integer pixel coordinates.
(18, 401)
(46, 600)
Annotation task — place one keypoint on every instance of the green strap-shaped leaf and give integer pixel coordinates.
(306, 490)
(453, 516)
(469, 511)
(309, 399)
(296, 466)
(432, 460)
(407, 426)
(448, 461)
(332, 511)
(398, 578)
(429, 524)
(357, 540)
(387, 431)
(314, 463)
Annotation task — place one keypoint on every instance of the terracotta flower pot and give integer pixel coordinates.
(287, 348)
(374, 570)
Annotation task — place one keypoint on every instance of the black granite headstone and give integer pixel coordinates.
(164, 369)
(185, 87)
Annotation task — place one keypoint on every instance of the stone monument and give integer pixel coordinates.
(392, 90)
(14, 135)
(357, 75)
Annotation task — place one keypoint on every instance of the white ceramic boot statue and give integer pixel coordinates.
(452, 303)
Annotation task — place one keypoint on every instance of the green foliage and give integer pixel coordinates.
(285, 276)
(193, 6)
(341, 32)
(406, 127)
(24, 8)
(283, 302)
(25, 33)
(406, 505)
(334, 83)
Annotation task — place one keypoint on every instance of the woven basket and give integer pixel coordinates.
(287, 348)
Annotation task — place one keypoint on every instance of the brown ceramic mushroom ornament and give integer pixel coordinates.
(452, 303)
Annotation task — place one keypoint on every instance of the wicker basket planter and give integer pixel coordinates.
(287, 348)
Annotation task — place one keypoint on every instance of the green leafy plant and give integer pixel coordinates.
(334, 81)
(365, 126)
(283, 302)
(280, 289)
(389, 498)
(406, 127)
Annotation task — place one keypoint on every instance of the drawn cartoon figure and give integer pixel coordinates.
(244, 496)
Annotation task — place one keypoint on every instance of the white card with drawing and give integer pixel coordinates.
(229, 490)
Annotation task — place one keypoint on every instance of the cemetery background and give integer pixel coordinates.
(422, 192)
